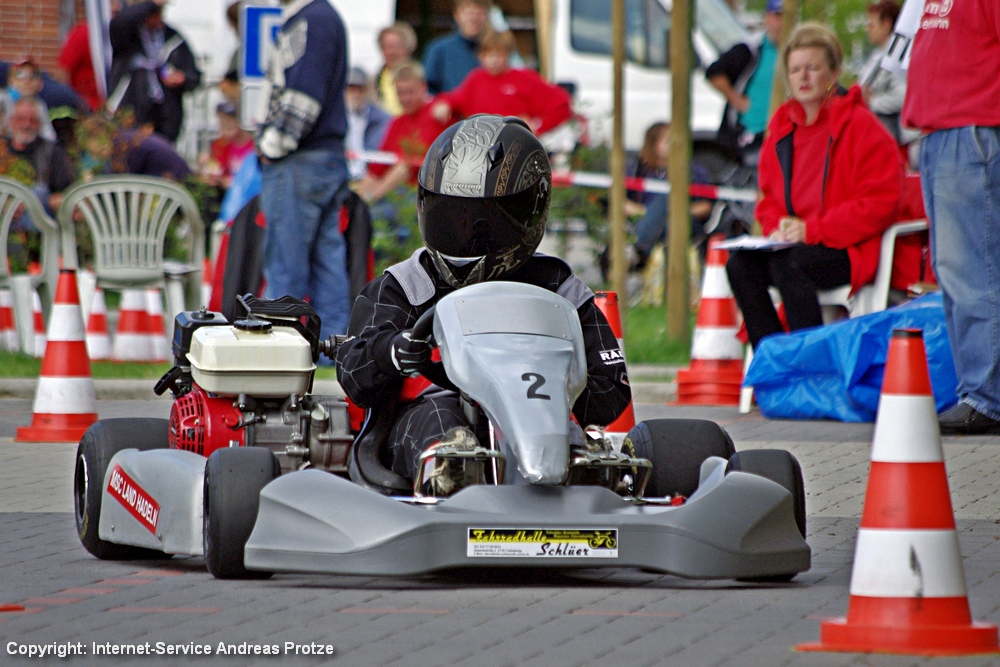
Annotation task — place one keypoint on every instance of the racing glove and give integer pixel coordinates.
(410, 355)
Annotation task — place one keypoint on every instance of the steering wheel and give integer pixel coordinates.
(423, 329)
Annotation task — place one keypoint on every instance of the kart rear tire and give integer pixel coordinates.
(98, 446)
(780, 467)
(234, 478)
(677, 448)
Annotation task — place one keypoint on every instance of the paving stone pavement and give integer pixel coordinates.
(504, 617)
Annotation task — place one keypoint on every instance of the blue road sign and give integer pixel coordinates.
(260, 30)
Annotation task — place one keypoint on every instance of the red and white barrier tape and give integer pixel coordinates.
(594, 180)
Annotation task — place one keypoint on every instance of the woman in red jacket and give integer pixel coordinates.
(830, 179)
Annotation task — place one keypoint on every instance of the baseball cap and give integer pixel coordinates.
(775, 6)
(357, 77)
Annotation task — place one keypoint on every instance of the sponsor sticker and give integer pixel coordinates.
(542, 543)
(134, 498)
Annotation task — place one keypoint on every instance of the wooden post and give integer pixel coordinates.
(619, 270)
(679, 172)
(543, 37)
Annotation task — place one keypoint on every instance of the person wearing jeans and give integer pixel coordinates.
(304, 250)
(965, 251)
(952, 96)
(304, 170)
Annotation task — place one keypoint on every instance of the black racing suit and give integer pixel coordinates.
(395, 300)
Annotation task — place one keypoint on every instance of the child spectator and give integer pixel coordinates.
(24, 79)
(653, 207)
(496, 88)
(228, 150)
(409, 136)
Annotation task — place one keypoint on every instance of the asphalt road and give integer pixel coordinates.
(75, 602)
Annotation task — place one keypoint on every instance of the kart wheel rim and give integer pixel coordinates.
(81, 485)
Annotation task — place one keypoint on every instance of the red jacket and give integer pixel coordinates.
(862, 183)
(516, 92)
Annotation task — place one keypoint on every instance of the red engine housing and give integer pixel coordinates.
(201, 423)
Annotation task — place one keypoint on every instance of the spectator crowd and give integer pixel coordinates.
(830, 161)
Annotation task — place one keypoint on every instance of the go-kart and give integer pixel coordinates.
(288, 487)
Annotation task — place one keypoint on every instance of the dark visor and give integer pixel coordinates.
(475, 226)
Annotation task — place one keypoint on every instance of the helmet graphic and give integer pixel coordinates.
(483, 198)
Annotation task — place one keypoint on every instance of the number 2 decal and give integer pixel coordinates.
(539, 380)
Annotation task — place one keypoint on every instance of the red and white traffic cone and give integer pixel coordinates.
(132, 341)
(607, 303)
(716, 371)
(8, 332)
(65, 401)
(39, 323)
(154, 322)
(907, 587)
(98, 338)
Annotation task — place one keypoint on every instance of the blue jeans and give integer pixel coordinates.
(653, 226)
(304, 251)
(960, 171)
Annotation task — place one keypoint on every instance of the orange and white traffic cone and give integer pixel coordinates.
(607, 303)
(716, 371)
(907, 587)
(156, 331)
(132, 341)
(39, 324)
(8, 332)
(65, 401)
(98, 338)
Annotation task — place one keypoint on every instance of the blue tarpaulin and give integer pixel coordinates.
(835, 371)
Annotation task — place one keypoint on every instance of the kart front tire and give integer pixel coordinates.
(234, 478)
(677, 448)
(98, 446)
(780, 467)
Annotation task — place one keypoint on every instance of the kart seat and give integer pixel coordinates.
(365, 466)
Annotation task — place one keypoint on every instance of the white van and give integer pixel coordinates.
(582, 58)
(581, 53)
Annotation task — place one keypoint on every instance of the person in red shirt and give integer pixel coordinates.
(953, 95)
(409, 136)
(228, 150)
(831, 180)
(496, 88)
(75, 60)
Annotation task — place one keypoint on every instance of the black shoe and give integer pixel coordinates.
(965, 419)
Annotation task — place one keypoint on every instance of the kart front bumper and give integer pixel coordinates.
(735, 526)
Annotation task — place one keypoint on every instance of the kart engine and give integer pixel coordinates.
(310, 431)
(246, 385)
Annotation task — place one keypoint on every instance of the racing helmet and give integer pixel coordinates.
(483, 198)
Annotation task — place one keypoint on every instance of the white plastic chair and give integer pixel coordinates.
(128, 217)
(15, 196)
(870, 298)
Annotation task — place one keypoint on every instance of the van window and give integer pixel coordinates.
(719, 25)
(646, 27)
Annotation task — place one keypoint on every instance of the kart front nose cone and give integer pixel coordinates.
(544, 459)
